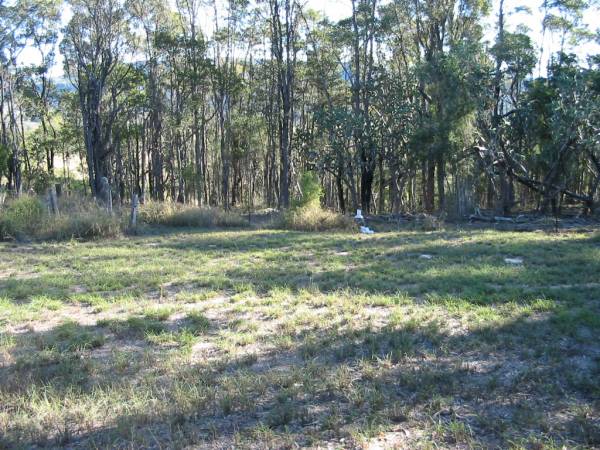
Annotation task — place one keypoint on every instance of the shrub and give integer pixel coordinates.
(21, 217)
(311, 191)
(82, 218)
(176, 215)
(313, 218)
(306, 213)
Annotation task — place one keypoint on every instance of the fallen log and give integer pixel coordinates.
(478, 218)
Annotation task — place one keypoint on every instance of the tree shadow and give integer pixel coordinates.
(468, 269)
(381, 264)
(487, 386)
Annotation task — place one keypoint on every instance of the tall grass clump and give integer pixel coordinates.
(21, 217)
(177, 215)
(82, 218)
(93, 224)
(27, 217)
(307, 214)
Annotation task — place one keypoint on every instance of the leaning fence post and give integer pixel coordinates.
(134, 209)
(52, 200)
(106, 194)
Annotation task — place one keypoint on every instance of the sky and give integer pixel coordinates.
(339, 9)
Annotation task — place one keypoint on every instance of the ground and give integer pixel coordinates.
(273, 339)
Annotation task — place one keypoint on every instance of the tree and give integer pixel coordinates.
(94, 44)
(284, 16)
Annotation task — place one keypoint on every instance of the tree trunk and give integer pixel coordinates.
(430, 186)
(441, 180)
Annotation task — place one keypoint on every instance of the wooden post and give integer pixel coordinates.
(106, 194)
(52, 200)
(134, 210)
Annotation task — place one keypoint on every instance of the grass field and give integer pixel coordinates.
(273, 339)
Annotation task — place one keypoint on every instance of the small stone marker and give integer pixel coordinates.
(426, 257)
(364, 229)
(514, 261)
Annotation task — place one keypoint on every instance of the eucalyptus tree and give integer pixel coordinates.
(361, 29)
(226, 84)
(535, 131)
(195, 70)
(152, 18)
(514, 58)
(25, 90)
(284, 22)
(558, 119)
(564, 18)
(40, 29)
(94, 46)
(331, 148)
(12, 42)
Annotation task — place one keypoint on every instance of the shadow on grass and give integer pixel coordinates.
(388, 264)
(490, 386)
(380, 264)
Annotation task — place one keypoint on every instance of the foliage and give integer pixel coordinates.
(311, 191)
(79, 218)
(307, 214)
(392, 116)
(4, 157)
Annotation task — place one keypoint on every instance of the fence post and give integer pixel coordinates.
(106, 194)
(52, 199)
(134, 209)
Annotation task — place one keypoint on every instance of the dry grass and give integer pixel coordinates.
(27, 217)
(177, 215)
(315, 218)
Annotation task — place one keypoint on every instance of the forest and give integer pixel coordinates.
(405, 105)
